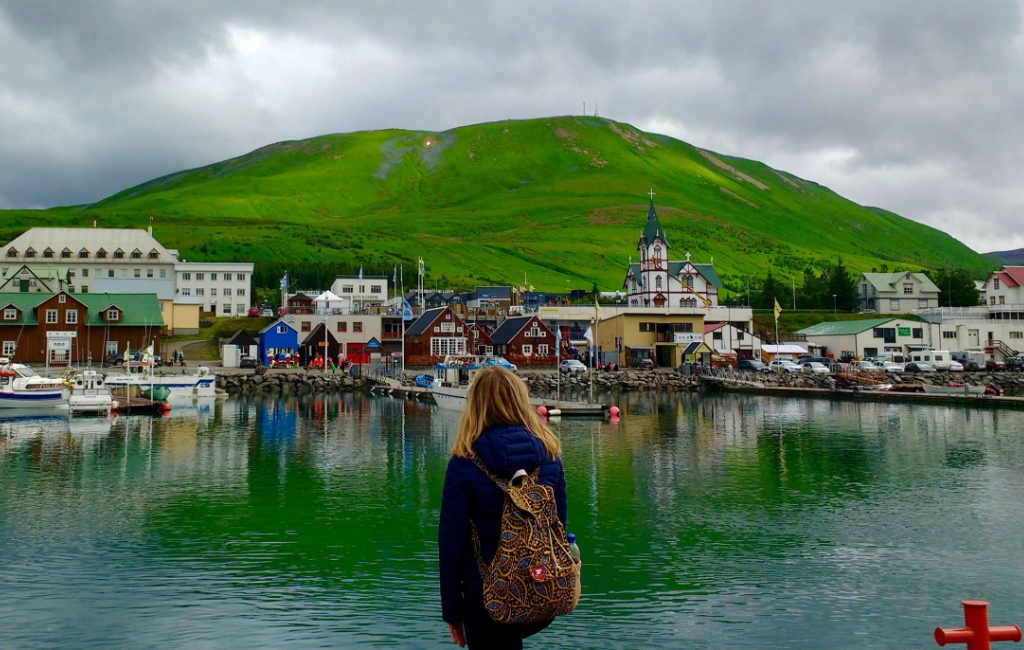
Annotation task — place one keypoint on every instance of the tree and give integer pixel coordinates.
(843, 287)
(768, 293)
(956, 287)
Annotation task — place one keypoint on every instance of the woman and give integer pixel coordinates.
(501, 429)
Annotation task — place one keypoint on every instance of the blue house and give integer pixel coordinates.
(278, 338)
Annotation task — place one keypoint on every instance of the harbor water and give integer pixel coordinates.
(723, 521)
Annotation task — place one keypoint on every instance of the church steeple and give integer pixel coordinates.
(652, 228)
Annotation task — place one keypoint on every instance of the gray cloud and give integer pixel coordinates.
(910, 106)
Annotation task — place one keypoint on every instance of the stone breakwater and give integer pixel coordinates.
(289, 382)
(624, 381)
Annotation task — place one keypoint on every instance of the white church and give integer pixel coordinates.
(658, 282)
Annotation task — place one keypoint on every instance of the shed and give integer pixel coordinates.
(278, 338)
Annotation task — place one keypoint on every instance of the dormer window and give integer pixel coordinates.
(154, 254)
(12, 252)
(30, 252)
(101, 254)
(113, 314)
(10, 313)
(136, 254)
(65, 254)
(119, 254)
(83, 254)
(48, 253)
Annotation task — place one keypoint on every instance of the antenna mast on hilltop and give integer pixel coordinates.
(595, 109)
(584, 109)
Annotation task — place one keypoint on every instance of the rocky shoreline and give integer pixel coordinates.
(289, 382)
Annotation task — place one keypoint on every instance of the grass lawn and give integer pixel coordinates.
(217, 328)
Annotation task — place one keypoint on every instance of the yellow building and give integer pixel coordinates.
(668, 339)
(180, 318)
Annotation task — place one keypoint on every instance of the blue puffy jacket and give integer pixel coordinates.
(470, 495)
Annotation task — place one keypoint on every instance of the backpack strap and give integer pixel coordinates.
(480, 564)
(491, 475)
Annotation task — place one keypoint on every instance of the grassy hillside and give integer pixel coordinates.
(561, 199)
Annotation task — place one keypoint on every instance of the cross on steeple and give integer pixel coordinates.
(651, 194)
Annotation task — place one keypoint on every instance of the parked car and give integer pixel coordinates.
(500, 361)
(571, 366)
(864, 365)
(645, 364)
(889, 367)
(919, 367)
(267, 312)
(825, 361)
(867, 311)
(995, 366)
(955, 366)
(784, 365)
(814, 367)
(1015, 364)
(248, 361)
(254, 312)
(970, 365)
(752, 365)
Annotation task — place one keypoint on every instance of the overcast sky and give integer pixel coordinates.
(917, 107)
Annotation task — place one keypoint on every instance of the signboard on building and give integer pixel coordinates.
(60, 341)
(903, 331)
(685, 338)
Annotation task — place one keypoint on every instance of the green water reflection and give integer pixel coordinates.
(705, 522)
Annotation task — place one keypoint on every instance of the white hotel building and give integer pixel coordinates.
(127, 260)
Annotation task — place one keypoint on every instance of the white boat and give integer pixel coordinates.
(22, 387)
(451, 381)
(954, 389)
(142, 375)
(89, 394)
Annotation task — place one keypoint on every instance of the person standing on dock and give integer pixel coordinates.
(498, 431)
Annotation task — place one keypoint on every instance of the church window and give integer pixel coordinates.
(687, 281)
(657, 283)
(656, 258)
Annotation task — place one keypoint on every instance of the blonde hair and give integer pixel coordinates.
(498, 398)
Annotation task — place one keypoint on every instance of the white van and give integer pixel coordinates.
(938, 359)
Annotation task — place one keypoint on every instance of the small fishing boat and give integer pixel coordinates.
(451, 380)
(142, 375)
(954, 389)
(22, 387)
(89, 394)
(156, 393)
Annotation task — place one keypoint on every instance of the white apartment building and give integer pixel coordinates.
(358, 292)
(221, 288)
(897, 293)
(129, 260)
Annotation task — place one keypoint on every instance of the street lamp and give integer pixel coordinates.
(835, 304)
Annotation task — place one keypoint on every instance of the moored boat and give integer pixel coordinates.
(89, 394)
(954, 389)
(22, 387)
(142, 375)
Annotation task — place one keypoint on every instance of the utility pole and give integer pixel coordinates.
(794, 292)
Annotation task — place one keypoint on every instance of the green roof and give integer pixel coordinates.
(887, 281)
(840, 327)
(707, 270)
(652, 228)
(137, 308)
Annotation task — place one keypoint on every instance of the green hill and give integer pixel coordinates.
(562, 199)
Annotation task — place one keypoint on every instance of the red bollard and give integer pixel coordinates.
(976, 634)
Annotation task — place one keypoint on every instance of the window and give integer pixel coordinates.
(1002, 300)
(357, 326)
(922, 303)
(527, 349)
(65, 254)
(138, 273)
(687, 281)
(870, 352)
(9, 348)
(991, 300)
(442, 346)
(101, 254)
(10, 314)
(542, 349)
(240, 292)
(1017, 335)
(119, 254)
(717, 335)
(918, 332)
(375, 288)
(186, 292)
(213, 276)
(864, 289)
(149, 273)
(85, 273)
(448, 327)
(154, 255)
(949, 335)
(113, 314)
(110, 273)
(362, 288)
(683, 327)
(111, 348)
(62, 299)
(71, 273)
(163, 273)
(646, 327)
(346, 288)
(51, 316)
(740, 334)
(85, 288)
(240, 308)
(282, 329)
(908, 288)
(306, 327)
(200, 292)
(186, 276)
(240, 277)
(136, 254)
(12, 252)
(48, 253)
(213, 291)
(30, 253)
(894, 304)
(226, 309)
(227, 292)
(342, 326)
(995, 283)
(71, 317)
(200, 277)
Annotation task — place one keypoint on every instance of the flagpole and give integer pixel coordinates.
(402, 311)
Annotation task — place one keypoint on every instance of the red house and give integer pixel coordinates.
(434, 335)
(478, 340)
(525, 340)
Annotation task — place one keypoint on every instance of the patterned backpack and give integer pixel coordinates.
(533, 577)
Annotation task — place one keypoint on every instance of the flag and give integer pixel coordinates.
(558, 342)
(127, 357)
(423, 269)
(406, 309)
(588, 335)
(778, 310)
(149, 350)
(394, 276)
(360, 271)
